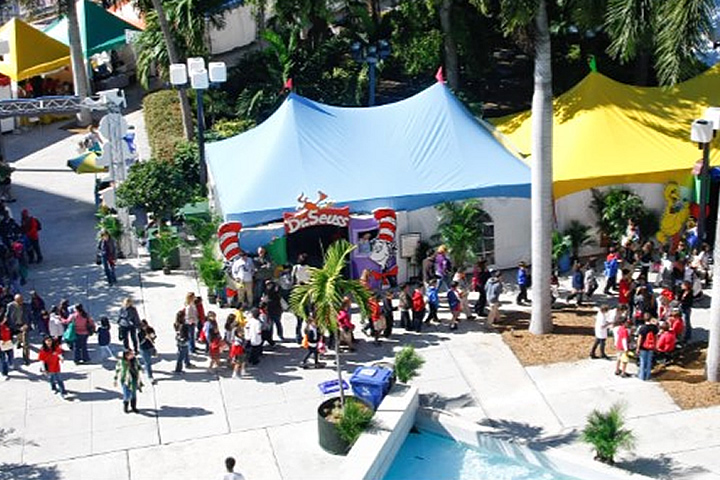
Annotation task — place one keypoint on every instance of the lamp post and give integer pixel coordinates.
(200, 79)
(702, 133)
(371, 54)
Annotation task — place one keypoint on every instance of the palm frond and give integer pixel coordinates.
(324, 292)
(682, 26)
(628, 23)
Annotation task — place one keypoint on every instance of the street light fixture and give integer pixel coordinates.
(200, 79)
(702, 133)
(371, 54)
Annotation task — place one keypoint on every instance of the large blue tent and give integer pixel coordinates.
(406, 155)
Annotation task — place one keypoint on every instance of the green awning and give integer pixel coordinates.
(100, 30)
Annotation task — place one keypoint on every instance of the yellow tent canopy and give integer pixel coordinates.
(31, 51)
(606, 132)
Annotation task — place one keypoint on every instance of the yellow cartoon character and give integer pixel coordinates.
(675, 214)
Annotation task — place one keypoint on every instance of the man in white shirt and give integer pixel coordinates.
(231, 474)
(253, 334)
(242, 270)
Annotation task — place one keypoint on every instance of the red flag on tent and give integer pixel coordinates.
(439, 75)
(288, 84)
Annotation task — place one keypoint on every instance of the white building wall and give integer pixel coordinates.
(511, 217)
(239, 30)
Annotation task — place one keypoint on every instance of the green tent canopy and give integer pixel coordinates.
(100, 30)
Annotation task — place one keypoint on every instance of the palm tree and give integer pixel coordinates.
(324, 293)
(173, 57)
(452, 64)
(77, 58)
(461, 229)
(683, 27)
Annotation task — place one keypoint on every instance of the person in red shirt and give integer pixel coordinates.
(31, 227)
(666, 343)
(624, 288)
(418, 308)
(6, 347)
(376, 317)
(677, 326)
(51, 356)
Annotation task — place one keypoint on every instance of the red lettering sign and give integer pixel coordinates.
(338, 217)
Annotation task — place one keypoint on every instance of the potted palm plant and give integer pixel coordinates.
(561, 245)
(164, 246)
(211, 271)
(323, 295)
(607, 433)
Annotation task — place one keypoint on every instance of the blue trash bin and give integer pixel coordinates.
(371, 384)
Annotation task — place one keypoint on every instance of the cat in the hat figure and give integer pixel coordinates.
(384, 246)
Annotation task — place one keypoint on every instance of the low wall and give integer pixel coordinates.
(375, 450)
(482, 437)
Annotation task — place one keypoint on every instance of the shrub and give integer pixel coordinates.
(109, 223)
(156, 185)
(407, 364)
(164, 245)
(163, 122)
(210, 269)
(605, 431)
(223, 129)
(615, 206)
(352, 420)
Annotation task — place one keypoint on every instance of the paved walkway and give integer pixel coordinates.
(188, 424)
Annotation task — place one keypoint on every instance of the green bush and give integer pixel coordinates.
(164, 245)
(163, 122)
(156, 185)
(223, 129)
(354, 419)
(210, 269)
(605, 431)
(615, 206)
(109, 223)
(407, 364)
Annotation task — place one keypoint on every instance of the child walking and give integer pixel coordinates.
(237, 350)
(418, 307)
(522, 281)
(621, 333)
(405, 306)
(51, 357)
(103, 334)
(377, 318)
(433, 301)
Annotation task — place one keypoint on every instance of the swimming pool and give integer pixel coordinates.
(424, 455)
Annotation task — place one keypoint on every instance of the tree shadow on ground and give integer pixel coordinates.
(17, 471)
(661, 467)
(533, 436)
(441, 402)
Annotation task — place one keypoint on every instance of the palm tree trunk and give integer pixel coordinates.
(174, 57)
(339, 370)
(541, 212)
(452, 68)
(713, 352)
(77, 59)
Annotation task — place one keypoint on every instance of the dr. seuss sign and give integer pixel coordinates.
(314, 214)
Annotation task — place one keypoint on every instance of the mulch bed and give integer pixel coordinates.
(573, 337)
(685, 380)
(571, 340)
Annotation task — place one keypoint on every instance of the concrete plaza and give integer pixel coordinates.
(188, 424)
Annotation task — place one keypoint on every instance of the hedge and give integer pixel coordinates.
(163, 122)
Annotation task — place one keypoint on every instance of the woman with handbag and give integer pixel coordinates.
(147, 336)
(128, 323)
(84, 327)
(127, 371)
(182, 339)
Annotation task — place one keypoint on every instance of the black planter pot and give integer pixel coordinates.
(166, 270)
(328, 436)
(212, 298)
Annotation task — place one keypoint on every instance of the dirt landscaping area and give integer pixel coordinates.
(572, 339)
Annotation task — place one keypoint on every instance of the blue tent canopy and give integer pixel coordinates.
(407, 155)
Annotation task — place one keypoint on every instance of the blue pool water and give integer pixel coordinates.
(426, 456)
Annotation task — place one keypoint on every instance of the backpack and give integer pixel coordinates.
(649, 343)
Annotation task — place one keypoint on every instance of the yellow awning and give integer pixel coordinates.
(31, 51)
(606, 132)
